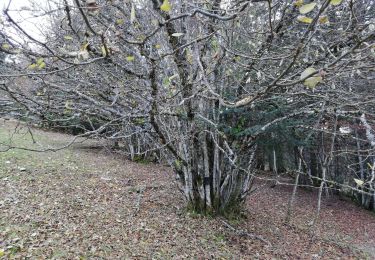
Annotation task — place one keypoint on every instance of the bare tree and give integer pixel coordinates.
(202, 82)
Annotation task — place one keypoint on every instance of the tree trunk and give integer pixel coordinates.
(292, 198)
(361, 168)
(215, 184)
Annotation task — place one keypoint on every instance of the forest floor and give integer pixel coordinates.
(85, 202)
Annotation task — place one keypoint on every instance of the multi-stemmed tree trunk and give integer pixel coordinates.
(211, 179)
(212, 176)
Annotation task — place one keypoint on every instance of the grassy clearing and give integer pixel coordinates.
(81, 204)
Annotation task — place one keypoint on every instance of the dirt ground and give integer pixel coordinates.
(85, 202)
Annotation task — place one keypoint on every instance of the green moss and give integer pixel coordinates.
(233, 211)
(219, 238)
(141, 159)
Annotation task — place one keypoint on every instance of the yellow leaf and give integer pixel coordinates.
(68, 37)
(104, 51)
(141, 37)
(130, 58)
(42, 65)
(68, 104)
(312, 81)
(358, 182)
(307, 72)
(119, 21)
(158, 46)
(32, 66)
(166, 6)
(84, 46)
(335, 2)
(2, 252)
(323, 19)
(304, 9)
(298, 3)
(5, 46)
(132, 14)
(304, 19)
(39, 61)
(177, 34)
(189, 57)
